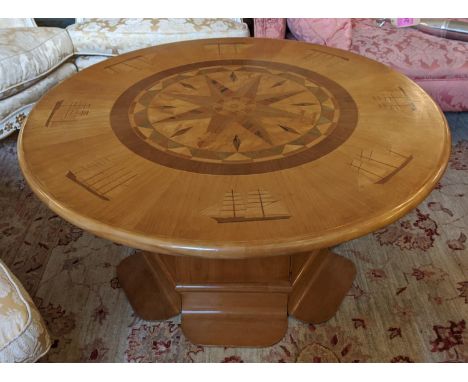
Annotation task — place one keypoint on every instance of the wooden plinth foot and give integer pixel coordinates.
(239, 302)
(149, 286)
(247, 316)
(319, 284)
(236, 302)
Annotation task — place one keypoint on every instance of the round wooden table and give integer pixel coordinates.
(234, 164)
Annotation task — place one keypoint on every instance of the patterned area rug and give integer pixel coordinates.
(409, 302)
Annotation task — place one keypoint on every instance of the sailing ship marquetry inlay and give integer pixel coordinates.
(67, 112)
(396, 100)
(328, 59)
(256, 205)
(378, 166)
(226, 48)
(103, 177)
(129, 65)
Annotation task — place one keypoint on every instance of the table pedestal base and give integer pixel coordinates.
(236, 302)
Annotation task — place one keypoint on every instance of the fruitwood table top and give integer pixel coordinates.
(234, 147)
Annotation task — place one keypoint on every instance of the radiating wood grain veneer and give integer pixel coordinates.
(235, 163)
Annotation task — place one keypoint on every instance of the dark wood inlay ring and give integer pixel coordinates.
(121, 125)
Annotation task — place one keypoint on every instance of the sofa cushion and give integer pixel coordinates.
(34, 92)
(450, 94)
(17, 23)
(28, 54)
(86, 19)
(414, 53)
(115, 36)
(23, 336)
(335, 33)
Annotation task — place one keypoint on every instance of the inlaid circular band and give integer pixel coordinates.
(232, 97)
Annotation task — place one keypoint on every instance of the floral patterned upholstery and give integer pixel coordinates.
(330, 32)
(115, 36)
(410, 51)
(438, 65)
(28, 54)
(23, 335)
(14, 109)
(450, 94)
(270, 28)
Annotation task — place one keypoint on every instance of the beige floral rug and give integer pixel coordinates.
(409, 302)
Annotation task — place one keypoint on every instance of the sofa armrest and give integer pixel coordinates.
(17, 23)
(270, 28)
(23, 334)
(330, 32)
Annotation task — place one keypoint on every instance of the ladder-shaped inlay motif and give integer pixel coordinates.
(326, 58)
(397, 100)
(258, 205)
(103, 177)
(225, 48)
(67, 112)
(129, 65)
(379, 166)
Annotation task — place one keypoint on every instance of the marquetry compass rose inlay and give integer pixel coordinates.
(234, 117)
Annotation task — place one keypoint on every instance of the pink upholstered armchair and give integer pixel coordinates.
(438, 65)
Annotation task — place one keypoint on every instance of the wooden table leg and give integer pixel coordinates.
(320, 282)
(149, 286)
(236, 302)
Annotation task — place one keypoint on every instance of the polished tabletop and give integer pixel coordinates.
(234, 147)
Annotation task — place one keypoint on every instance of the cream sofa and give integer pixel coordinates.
(33, 59)
(95, 40)
(23, 335)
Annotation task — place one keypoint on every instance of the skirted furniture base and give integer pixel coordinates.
(236, 302)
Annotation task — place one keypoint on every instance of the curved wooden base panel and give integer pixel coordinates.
(234, 318)
(319, 285)
(236, 302)
(149, 286)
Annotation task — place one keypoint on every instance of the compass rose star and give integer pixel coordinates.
(244, 106)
